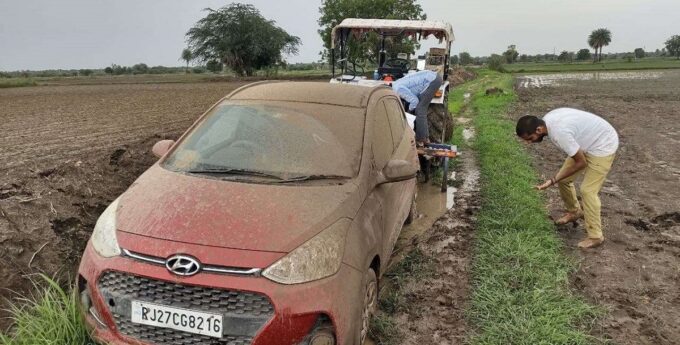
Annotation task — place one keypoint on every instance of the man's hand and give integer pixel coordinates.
(545, 184)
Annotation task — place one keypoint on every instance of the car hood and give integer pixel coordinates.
(191, 209)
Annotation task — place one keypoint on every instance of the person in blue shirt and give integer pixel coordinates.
(418, 89)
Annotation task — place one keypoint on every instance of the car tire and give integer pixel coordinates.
(413, 212)
(370, 303)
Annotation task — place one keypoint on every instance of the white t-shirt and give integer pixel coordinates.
(573, 129)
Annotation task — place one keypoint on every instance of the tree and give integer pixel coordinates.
(335, 11)
(140, 68)
(465, 58)
(673, 46)
(241, 38)
(511, 54)
(496, 63)
(214, 66)
(639, 53)
(108, 70)
(598, 39)
(186, 56)
(583, 54)
(565, 56)
(454, 60)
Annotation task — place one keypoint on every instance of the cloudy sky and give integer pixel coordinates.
(47, 34)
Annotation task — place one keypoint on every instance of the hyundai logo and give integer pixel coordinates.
(182, 265)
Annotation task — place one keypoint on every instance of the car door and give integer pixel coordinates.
(403, 142)
(388, 194)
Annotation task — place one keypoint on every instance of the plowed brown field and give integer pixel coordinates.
(66, 152)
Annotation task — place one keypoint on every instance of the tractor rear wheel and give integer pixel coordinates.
(440, 121)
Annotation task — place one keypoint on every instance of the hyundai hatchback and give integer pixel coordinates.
(270, 221)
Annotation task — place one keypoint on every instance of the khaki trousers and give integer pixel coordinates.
(593, 177)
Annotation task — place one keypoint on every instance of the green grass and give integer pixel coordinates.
(606, 65)
(16, 82)
(520, 280)
(50, 317)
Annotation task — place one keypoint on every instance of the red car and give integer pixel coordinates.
(269, 222)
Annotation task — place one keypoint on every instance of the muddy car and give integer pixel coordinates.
(270, 221)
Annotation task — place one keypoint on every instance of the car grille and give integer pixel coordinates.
(252, 309)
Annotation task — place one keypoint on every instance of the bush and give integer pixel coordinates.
(214, 66)
(198, 70)
(496, 63)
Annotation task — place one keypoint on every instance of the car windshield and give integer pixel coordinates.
(279, 140)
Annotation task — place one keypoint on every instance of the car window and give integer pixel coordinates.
(397, 120)
(279, 138)
(383, 145)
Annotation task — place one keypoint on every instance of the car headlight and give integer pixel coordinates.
(317, 258)
(104, 239)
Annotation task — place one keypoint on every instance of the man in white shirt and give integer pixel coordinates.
(591, 144)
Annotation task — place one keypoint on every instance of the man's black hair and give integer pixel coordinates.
(526, 125)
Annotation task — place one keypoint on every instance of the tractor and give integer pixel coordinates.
(344, 70)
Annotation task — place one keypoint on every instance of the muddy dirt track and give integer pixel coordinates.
(636, 274)
(68, 151)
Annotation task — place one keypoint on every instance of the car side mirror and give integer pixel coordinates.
(397, 170)
(162, 147)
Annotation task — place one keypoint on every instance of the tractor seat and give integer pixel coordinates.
(397, 73)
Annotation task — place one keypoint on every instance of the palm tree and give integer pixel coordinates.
(187, 56)
(598, 39)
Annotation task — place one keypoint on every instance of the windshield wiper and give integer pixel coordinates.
(233, 171)
(312, 178)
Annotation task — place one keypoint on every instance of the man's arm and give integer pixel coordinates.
(409, 97)
(579, 164)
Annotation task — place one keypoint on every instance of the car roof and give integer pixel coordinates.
(310, 92)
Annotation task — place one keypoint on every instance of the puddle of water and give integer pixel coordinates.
(543, 80)
(468, 133)
(431, 204)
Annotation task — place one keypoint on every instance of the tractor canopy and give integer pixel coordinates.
(417, 29)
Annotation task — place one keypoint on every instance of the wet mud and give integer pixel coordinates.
(635, 275)
(445, 232)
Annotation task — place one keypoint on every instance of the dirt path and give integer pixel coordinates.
(433, 306)
(636, 274)
(66, 152)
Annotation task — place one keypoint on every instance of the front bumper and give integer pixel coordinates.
(256, 310)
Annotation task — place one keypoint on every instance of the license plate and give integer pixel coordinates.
(176, 318)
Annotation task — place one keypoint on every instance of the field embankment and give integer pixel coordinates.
(520, 281)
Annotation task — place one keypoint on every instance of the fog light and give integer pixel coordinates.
(85, 299)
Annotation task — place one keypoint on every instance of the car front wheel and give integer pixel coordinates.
(370, 302)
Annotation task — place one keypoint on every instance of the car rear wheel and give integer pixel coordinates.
(370, 302)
